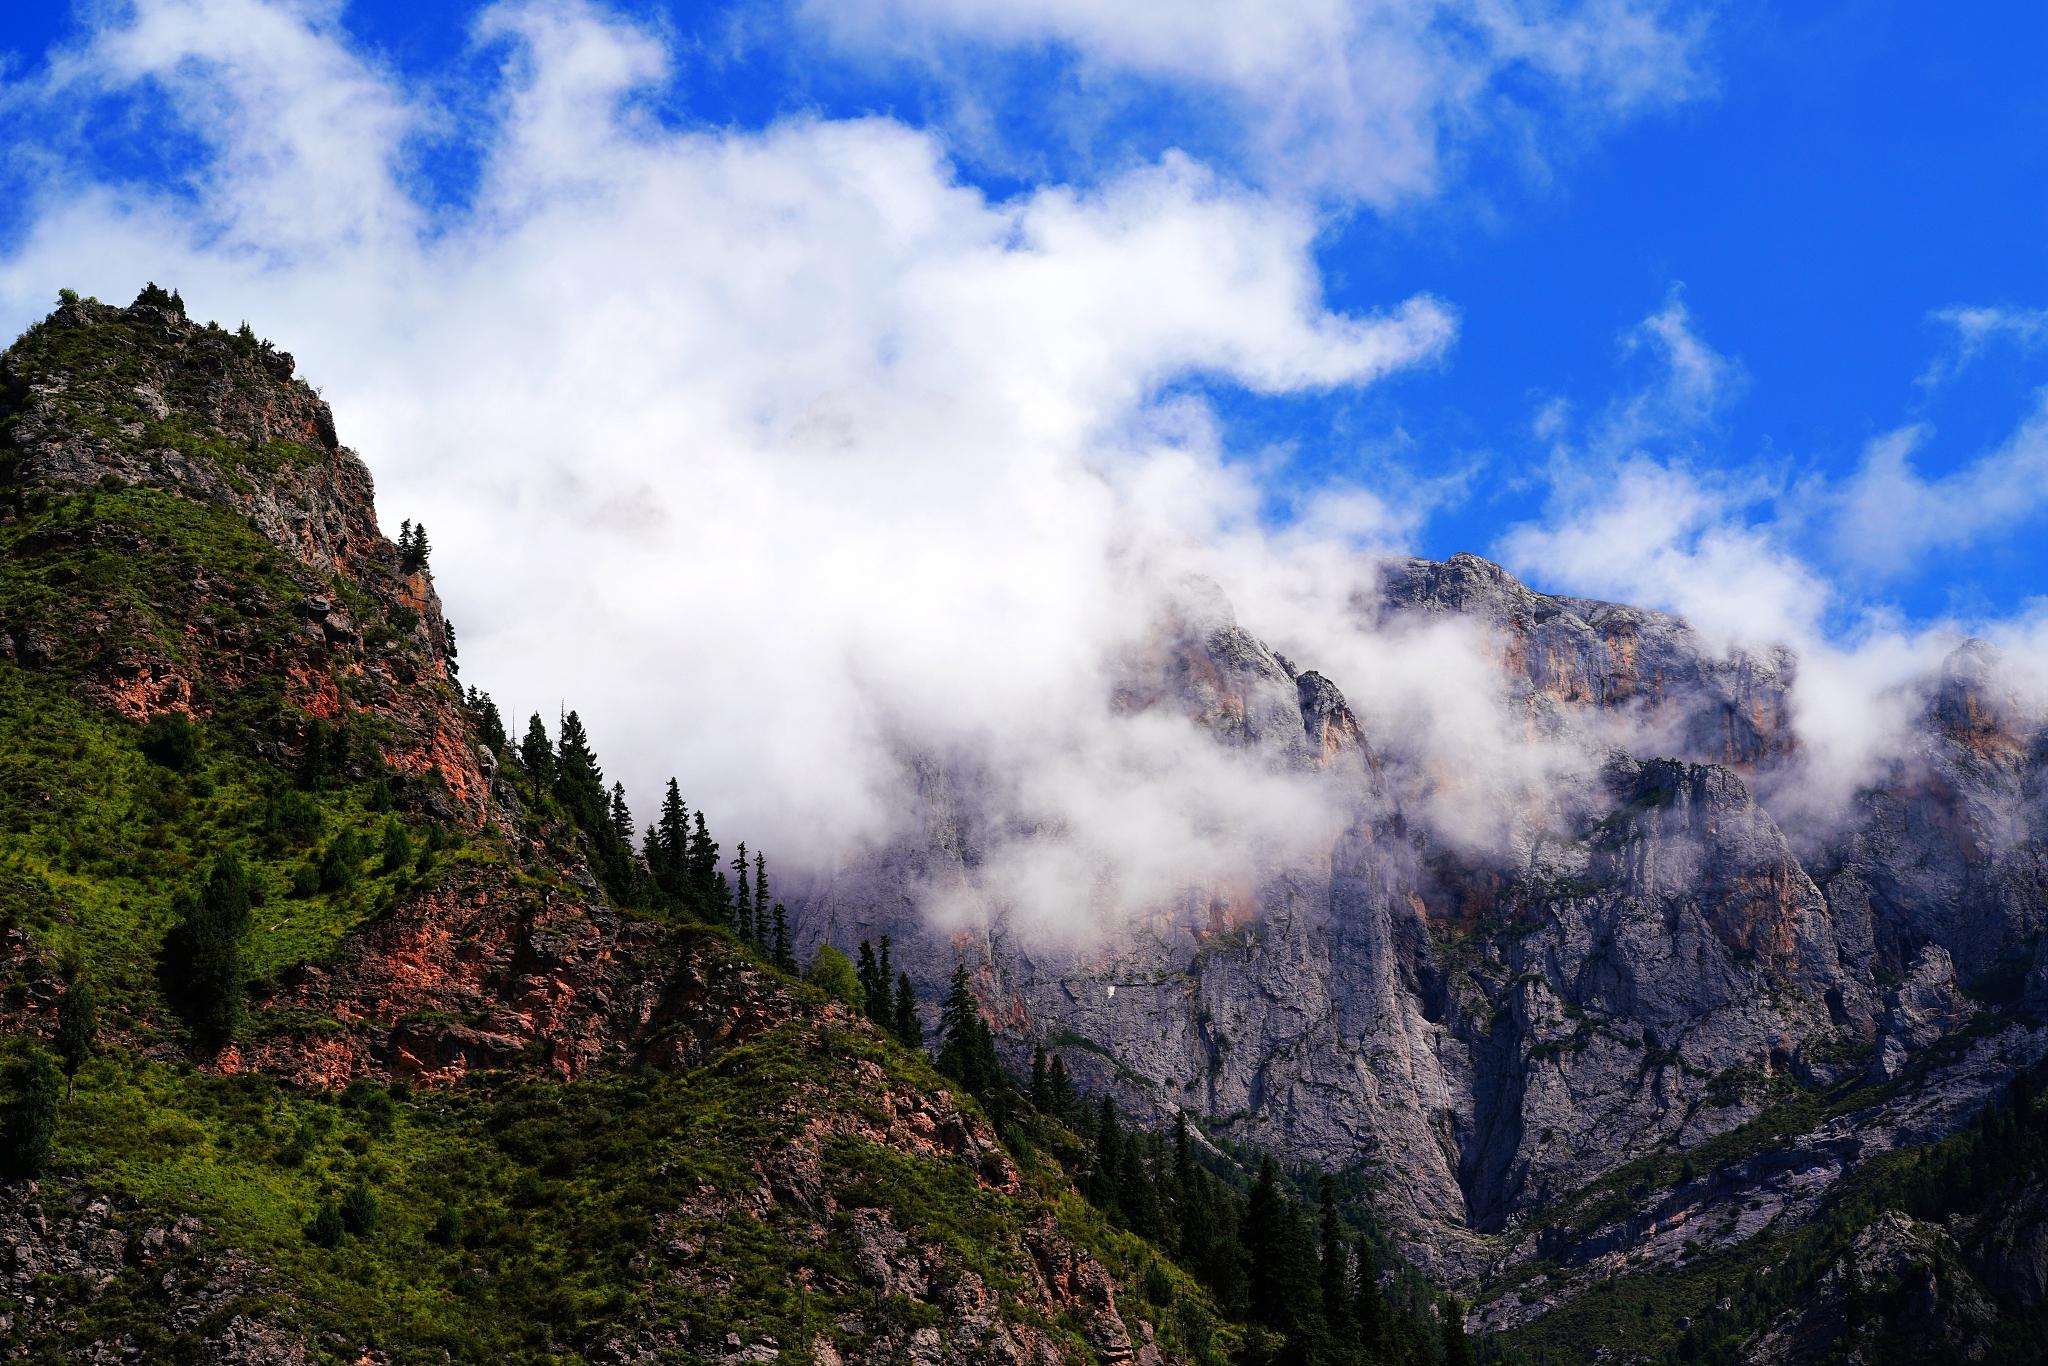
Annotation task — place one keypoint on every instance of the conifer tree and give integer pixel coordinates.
(707, 884)
(1106, 1173)
(784, 957)
(78, 1028)
(1333, 1260)
(31, 1122)
(1041, 1092)
(579, 782)
(1457, 1348)
(743, 902)
(412, 548)
(762, 929)
(869, 972)
(537, 755)
(1368, 1304)
(909, 1028)
(672, 841)
(1062, 1090)
(967, 1050)
(489, 725)
(622, 815)
(203, 952)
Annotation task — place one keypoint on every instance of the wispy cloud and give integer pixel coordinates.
(1364, 101)
(1974, 330)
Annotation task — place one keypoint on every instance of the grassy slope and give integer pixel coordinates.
(515, 1213)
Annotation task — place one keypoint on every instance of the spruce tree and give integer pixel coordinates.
(537, 755)
(1105, 1175)
(707, 884)
(967, 1051)
(490, 726)
(1265, 1238)
(203, 953)
(1041, 1092)
(743, 902)
(1062, 1090)
(1334, 1258)
(1457, 1348)
(784, 957)
(672, 841)
(1368, 1305)
(78, 1028)
(31, 1123)
(909, 1028)
(579, 782)
(870, 973)
(762, 930)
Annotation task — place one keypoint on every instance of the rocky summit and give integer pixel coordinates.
(347, 1023)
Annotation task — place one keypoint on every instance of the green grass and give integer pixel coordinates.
(561, 1199)
(95, 840)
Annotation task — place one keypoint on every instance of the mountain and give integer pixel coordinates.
(397, 1059)
(406, 1052)
(1658, 1018)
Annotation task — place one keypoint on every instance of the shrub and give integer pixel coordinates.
(171, 741)
(326, 1229)
(832, 972)
(359, 1209)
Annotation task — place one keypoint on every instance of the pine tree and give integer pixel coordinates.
(1137, 1193)
(397, 852)
(870, 974)
(784, 957)
(622, 815)
(909, 1028)
(537, 755)
(1368, 1305)
(671, 842)
(489, 725)
(761, 926)
(967, 1050)
(707, 884)
(1334, 1262)
(1062, 1090)
(579, 782)
(1457, 1348)
(1041, 1092)
(1106, 1173)
(78, 1029)
(743, 903)
(31, 1122)
(412, 547)
(203, 952)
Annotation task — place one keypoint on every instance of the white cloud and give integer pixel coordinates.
(773, 452)
(1974, 329)
(1364, 99)
(1888, 517)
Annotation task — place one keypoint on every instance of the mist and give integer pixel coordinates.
(790, 459)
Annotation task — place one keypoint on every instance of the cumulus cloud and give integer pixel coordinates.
(1890, 516)
(781, 454)
(1634, 516)
(1362, 100)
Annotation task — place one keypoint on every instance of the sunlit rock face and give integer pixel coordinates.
(1637, 954)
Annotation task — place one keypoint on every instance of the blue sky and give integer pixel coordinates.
(1835, 177)
(894, 342)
